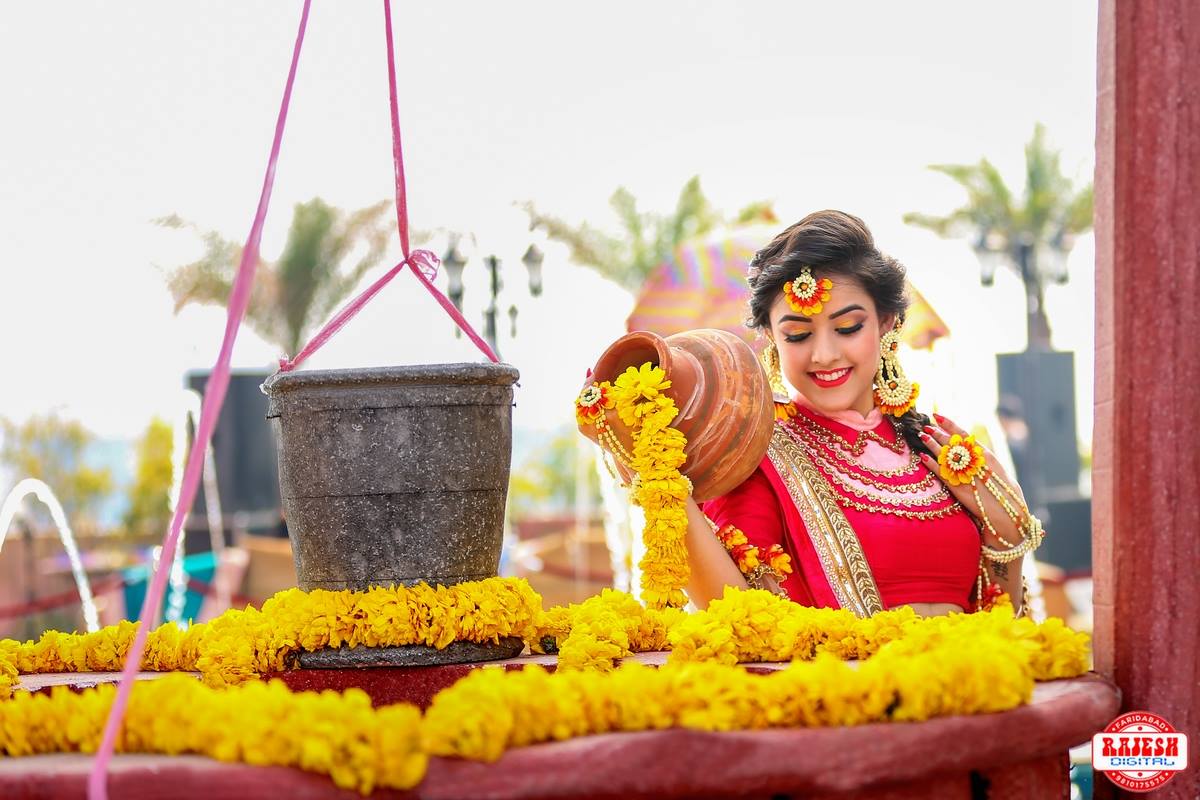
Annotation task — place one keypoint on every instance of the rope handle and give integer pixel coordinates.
(424, 264)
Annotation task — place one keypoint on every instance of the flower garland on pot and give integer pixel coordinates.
(638, 396)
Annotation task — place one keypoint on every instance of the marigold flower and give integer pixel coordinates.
(337, 734)
(807, 294)
(745, 556)
(960, 460)
(897, 409)
(592, 402)
(778, 560)
(731, 536)
(638, 393)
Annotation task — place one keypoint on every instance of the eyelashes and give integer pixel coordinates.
(800, 337)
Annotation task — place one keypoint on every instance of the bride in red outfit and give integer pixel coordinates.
(873, 504)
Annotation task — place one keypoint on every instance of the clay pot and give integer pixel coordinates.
(726, 410)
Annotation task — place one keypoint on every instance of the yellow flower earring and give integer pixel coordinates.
(895, 394)
(770, 362)
(785, 409)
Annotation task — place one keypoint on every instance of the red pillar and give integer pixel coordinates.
(1146, 475)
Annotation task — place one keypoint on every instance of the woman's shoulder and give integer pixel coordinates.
(752, 506)
(756, 489)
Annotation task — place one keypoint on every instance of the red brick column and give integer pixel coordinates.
(1146, 478)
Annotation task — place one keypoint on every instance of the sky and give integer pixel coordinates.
(115, 114)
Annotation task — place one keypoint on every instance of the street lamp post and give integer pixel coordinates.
(1038, 385)
(533, 262)
(489, 314)
(454, 264)
(1023, 251)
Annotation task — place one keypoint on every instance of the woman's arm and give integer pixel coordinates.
(1007, 528)
(1008, 577)
(711, 567)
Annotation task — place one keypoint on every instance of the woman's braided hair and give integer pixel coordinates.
(832, 243)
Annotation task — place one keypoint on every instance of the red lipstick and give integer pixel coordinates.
(842, 375)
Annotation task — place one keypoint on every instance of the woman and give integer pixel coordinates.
(851, 490)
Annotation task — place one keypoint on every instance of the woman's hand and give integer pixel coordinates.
(970, 495)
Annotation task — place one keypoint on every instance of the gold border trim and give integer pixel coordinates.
(836, 543)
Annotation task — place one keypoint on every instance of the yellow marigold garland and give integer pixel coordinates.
(603, 628)
(756, 625)
(260, 723)
(982, 675)
(642, 404)
(910, 668)
(242, 644)
(742, 626)
(753, 625)
(8, 676)
(168, 648)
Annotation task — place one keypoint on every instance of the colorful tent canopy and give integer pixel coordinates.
(703, 285)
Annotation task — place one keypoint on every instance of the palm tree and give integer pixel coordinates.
(1031, 236)
(649, 238)
(293, 295)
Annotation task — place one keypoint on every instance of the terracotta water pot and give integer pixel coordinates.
(726, 409)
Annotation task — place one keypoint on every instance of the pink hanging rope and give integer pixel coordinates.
(425, 264)
(214, 397)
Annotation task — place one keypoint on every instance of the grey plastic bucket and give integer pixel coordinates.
(394, 475)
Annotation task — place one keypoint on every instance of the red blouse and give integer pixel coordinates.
(921, 545)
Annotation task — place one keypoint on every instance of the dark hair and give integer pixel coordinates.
(832, 243)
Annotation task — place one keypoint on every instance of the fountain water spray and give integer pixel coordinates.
(12, 504)
(189, 417)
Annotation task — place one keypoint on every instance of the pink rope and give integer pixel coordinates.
(214, 397)
(402, 194)
(397, 150)
(424, 262)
